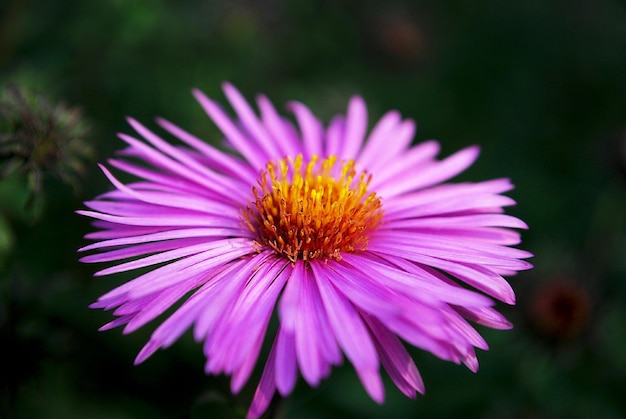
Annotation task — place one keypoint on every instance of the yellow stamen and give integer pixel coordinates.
(303, 212)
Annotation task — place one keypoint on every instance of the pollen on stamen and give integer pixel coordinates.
(314, 210)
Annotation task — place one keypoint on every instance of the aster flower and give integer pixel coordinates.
(350, 235)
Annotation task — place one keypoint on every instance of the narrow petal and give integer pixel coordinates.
(408, 165)
(282, 132)
(286, 370)
(346, 323)
(335, 136)
(477, 276)
(266, 388)
(191, 164)
(141, 250)
(245, 325)
(160, 236)
(356, 125)
(373, 384)
(389, 138)
(251, 122)
(207, 249)
(168, 200)
(223, 292)
(172, 273)
(411, 180)
(300, 315)
(223, 162)
(162, 302)
(310, 127)
(416, 281)
(450, 199)
(162, 220)
(395, 359)
(247, 149)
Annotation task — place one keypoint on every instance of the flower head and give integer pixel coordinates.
(351, 236)
(37, 136)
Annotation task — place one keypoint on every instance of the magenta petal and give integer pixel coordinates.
(420, 157)
(311, 129)
(222, 161)
(223, 292)
(448, 248)
(210, 249)
(286, 369)
(161, 303)
(116, 323)
(346, 324)
(363, 292)
(266, 388)
(250, 120)
(140, 250)
(468, 221)
(485, 316)
(356, 125)
(167, 163)
(174, 201)
(415, 282)
(244, 326)
(450, 199)
(159, 236)
(157, 220)
(335, 136)
(470, 361)
(284, 135)
(373, 384)
(320, 323)
(192, 166)
(169, 274)
(431, 175)
(395, 359)
(302, 317)
(474, 275)
(148, 349)
(241, 372)
(249, 151)
(378, 141)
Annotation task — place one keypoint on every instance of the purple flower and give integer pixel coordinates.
(350, 234)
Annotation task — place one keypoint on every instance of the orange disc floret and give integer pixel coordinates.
(313, 210)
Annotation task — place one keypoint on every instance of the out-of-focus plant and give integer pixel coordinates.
(39, 137)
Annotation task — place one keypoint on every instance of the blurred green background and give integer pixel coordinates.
(540, 85)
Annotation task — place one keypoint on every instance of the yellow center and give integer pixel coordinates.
(313, 210)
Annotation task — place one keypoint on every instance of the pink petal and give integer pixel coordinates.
(474, 275)
(160, 236)
(415, 160)
(410, 179)
(245, 146)
(356, 125)
(250, 121)
(303, 319)
(395, 359)
(334, 136)
(286, 369)
(282, 132)
(345, 322)
(266, 388)
(310, 127)
(232, 166)
(390, 137)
